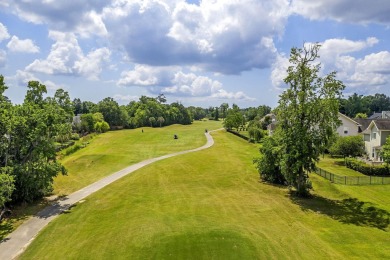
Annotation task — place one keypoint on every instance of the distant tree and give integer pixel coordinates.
(111, 111)
(269, 162)
(152, 121)
(347, 146)
(386, 151)
(307, 116)
(216, 114)
(224, 107)
(160, 120)
(161, 98)
(361, 115)
(234, 118)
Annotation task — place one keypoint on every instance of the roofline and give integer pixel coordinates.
(373, 122)
(350, 119)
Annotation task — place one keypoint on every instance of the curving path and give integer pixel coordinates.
(16, 242)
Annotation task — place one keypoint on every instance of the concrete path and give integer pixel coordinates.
(16, 242)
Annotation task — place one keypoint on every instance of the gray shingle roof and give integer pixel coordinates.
(382, 124)
(375, 116)
(363, 122)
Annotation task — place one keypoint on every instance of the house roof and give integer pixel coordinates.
(375, 116)
(381, 124)
(348, 118)
(363, 123)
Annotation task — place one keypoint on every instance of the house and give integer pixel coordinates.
(348, 126)
(375, 137)
(271, 128)
(382, 115)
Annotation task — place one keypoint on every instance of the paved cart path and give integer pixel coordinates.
(16, 242)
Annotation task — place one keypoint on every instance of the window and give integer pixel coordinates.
(373, 135)
(345, 131)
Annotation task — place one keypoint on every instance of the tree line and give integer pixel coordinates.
(363, 106)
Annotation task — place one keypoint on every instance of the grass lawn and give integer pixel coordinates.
(210, 205)
(336, 166)
(110, 152)
(115, 150)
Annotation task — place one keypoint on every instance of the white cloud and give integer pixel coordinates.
(144, 75)
(3, 32)
(3, 58)
(356, 11)
(67, 58)
(91, 65)
(173, 81)
(222, 36)
(127, 98)
(17, 45)
(81, 18)
(23, 77)
(366, 73)
(279, 71)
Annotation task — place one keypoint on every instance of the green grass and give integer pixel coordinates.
(110, 152)
(336, 166)
(210, 205)
(115, 150)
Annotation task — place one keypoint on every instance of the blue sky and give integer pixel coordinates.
(200, 53)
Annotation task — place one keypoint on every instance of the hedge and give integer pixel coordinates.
(367, 169)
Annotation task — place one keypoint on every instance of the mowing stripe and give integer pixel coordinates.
(16, 242)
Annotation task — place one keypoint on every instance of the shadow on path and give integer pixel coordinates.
(348, 211)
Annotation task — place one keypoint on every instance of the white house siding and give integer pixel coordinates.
(384, 135)
(374, 141)
(347, 127)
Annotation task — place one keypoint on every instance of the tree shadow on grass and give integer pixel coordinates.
(5, 229)
(348, 211)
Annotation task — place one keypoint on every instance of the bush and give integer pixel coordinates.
(367, 169)
(75, 136)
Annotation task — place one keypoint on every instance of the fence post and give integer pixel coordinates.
(370, 179)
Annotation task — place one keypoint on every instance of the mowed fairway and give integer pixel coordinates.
(210, 205)
(115, 150)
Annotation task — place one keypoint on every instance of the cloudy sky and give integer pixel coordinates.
(197, 52)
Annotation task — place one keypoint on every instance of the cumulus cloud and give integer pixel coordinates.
(17, 45)
(64, 16)
(3, 58)
(222, 36)
(356, 11)
(3, 32)
(370, 72)
(126, 98)
(173, 81)
(67, 58)
(143, 75)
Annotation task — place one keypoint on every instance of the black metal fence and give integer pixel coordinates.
(352, 180)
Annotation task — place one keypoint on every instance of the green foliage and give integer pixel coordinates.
(347, 146)
(28, 150)
(366, 169)
(234, 118)
(307, 116)
(361, 115)
(356, 104)
(386, 151)
(255, 133)
(268, 164)
(6, 189)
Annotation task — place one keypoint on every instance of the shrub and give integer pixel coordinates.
(367, 169)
